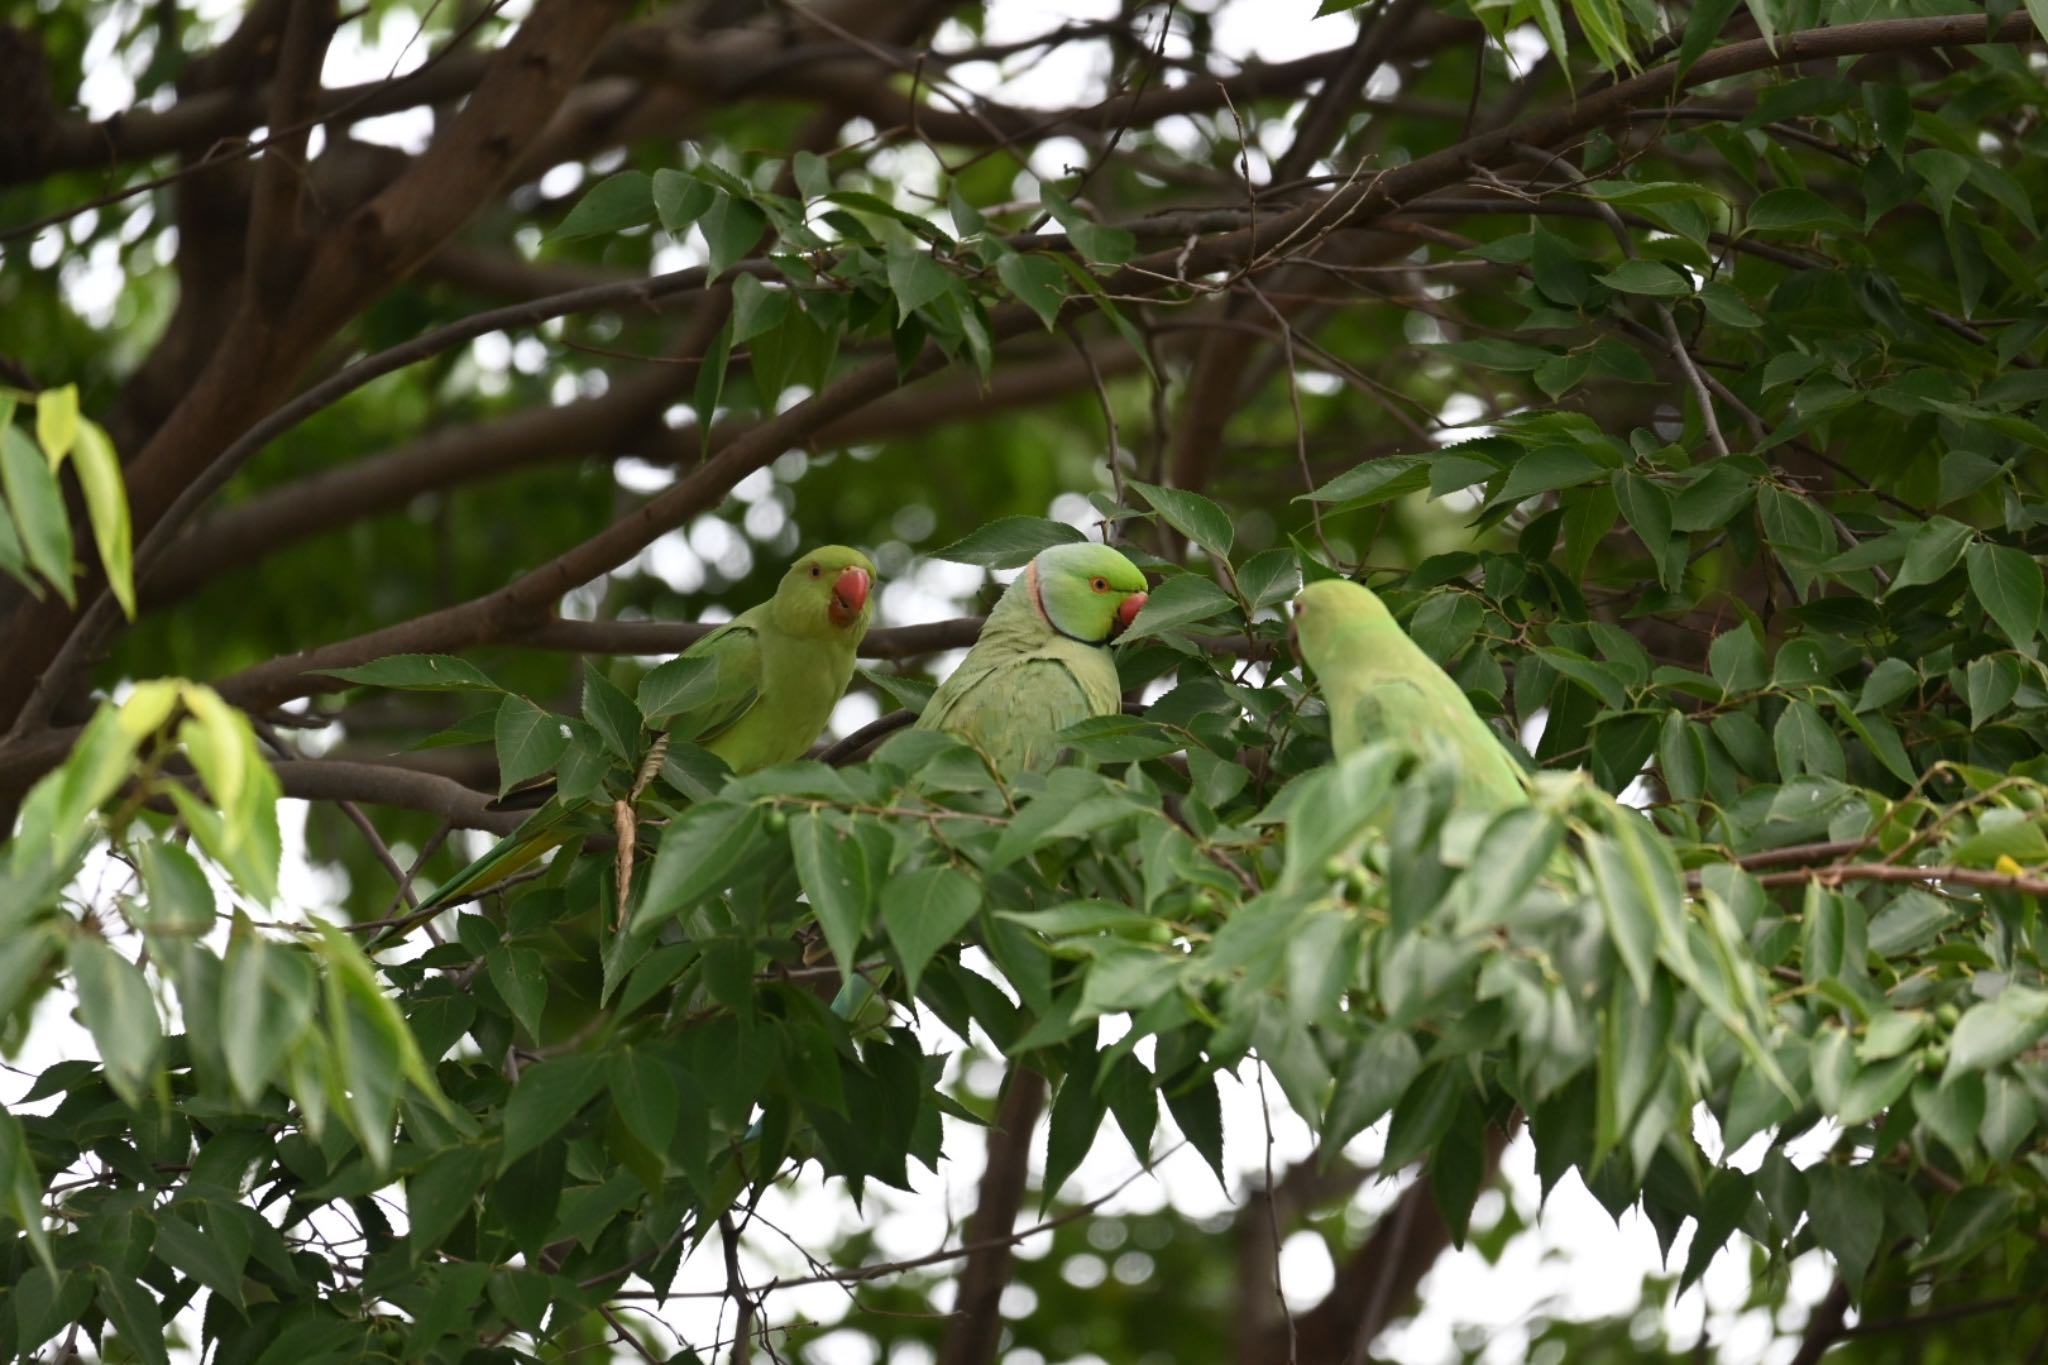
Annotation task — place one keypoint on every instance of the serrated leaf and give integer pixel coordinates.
(1653, 278)
(679, 200)
(833, 871)
(915, 279)
(924, 910)
(1375, 482)
(1191, 514)
(1009, 542)
(613, 204)
(732, 228)
(1181, 600)
(1036, 282)
(2007, 584)
(548, 1095)
(115, 1000)
(1997, 1030)
(1792, 209)
(1931, 551)
(418, 673)
(529, 740)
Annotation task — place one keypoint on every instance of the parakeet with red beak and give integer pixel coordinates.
(1042, 661)
(780, 668)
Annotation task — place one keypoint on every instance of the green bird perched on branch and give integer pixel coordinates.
(756, 692)
(1041, 663)
(1378, 684)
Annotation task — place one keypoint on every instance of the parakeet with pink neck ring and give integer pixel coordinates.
(1042, 662)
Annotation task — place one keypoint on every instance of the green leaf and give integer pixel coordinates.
(180, 898)
(1198, 1109)
(21, 1188)
(115, 1000)
(1931, 551)
(1103, 245)
(1546, 470)
(57, 423)
(206, 1259)
(832, 868)
(1974, 1217)
(1847, 1219)
(439, 1193)
(1377, 1069)
(1270, 577)
(1036, 282)
(698, 853)
(1633, 922)
(418, 673)
(644, 1091)
(1180, 601)
(924, 910)
(732, 228)
(529, 739)
(1736, 659)
(1653, 278)
(683, 684)
(915, 279)
(756, 308)
(613, 204)
(1009, 542)
(38, 507)
(2007, 584)
(520, 976)
(1944, 171)
(548, 1095)
(612, 714)
(1375, 482)
(679, 200)
(268, 998)
(135, 1313)
(1796, 210)
(106, 506)
(1191, 514)
(1494, 353)
(1997, 1030)
(1702, 26)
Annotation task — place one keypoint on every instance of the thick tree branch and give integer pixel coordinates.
(379, 784)
(976, 1325)
(621, 422)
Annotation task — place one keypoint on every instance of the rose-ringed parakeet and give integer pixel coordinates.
(774, 674)
(1378, 684)
(1041, 663)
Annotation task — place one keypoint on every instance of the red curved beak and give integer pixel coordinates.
(1127, 612)
(849, 596)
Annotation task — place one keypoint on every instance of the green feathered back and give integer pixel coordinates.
(1378, 683)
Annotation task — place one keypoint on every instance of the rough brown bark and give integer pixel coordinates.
(975, 1326)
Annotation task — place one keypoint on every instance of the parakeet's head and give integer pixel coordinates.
(1086, 592)
(1324, 612)
(825, 594)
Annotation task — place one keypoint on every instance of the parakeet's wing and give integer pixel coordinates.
(1016, 712)
(734, 650)
(1437, 719)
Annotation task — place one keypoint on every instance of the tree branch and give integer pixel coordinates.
(975, 1325)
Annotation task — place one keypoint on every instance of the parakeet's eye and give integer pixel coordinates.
(815, 571)
(1101, 585)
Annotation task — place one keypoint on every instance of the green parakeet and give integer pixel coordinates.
(1040, 664)
(778, 669)
(1378, 683)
